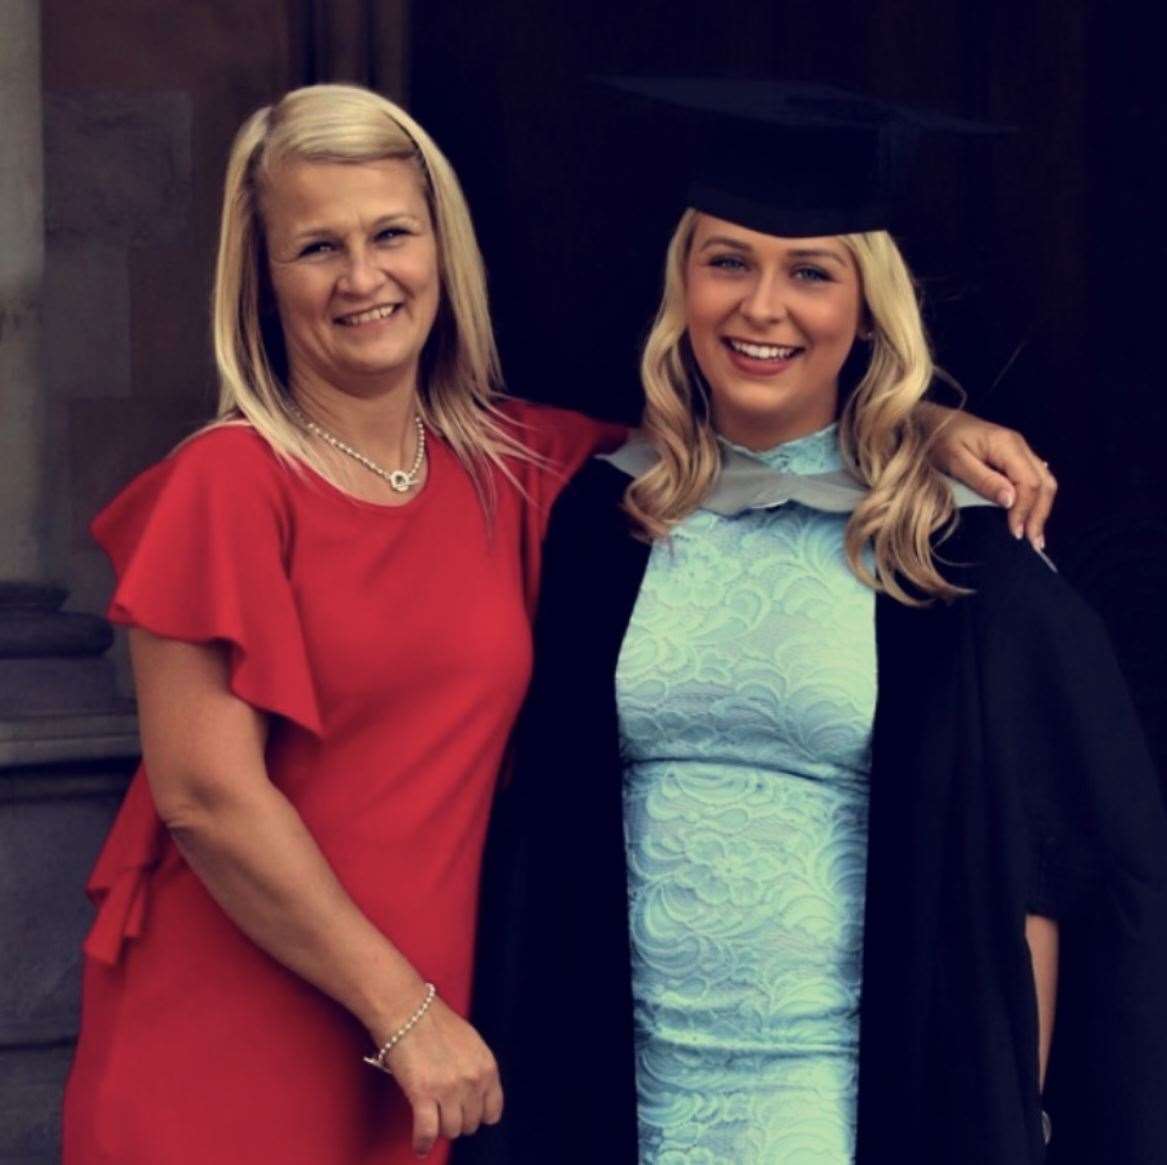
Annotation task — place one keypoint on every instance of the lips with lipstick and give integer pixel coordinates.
(369, 316)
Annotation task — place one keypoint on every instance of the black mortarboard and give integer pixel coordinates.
(788, 158)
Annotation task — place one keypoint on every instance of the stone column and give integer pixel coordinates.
(51, 661)
(66, 744)
(22, 260)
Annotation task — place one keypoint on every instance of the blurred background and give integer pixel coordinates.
(1041, 260)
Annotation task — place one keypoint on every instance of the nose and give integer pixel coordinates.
(764, 302)
(361, 275)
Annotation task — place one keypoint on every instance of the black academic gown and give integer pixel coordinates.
(1008, 777)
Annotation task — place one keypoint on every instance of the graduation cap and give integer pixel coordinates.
(791, 159)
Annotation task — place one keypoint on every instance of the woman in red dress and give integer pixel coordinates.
(329, 592)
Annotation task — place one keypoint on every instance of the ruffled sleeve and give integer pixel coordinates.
(199, 544)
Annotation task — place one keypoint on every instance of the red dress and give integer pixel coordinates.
(392, 647)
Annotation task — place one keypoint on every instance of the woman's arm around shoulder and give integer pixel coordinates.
(563, 437)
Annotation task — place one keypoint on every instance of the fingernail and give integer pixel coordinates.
(1018, 533)
(1005, 498)
(1039, 542)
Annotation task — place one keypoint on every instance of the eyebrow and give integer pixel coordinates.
(817, 253)
(796, 253)
(724, 241)
(385, 220)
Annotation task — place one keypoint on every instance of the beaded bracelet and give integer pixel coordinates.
(378, 1061)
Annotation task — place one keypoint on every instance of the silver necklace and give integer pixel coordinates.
(400, 480)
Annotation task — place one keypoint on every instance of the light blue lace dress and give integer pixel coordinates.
(746, 692)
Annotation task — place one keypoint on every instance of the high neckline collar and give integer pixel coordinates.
(815, 453)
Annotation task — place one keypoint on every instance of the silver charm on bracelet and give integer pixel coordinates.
(378, 1061)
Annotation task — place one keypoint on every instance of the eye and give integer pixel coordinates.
(319, 247)
(811, 274)
(728, 262)
(390, 234)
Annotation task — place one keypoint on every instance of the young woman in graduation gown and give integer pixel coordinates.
(833, 837)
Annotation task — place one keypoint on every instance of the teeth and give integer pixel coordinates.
(367, 317)
(762, 351)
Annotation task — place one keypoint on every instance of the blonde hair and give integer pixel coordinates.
(880, 438)
(460, 382)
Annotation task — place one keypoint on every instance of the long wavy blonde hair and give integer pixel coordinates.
(460, 383)
(881, 440)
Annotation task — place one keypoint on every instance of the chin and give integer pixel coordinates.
(769, 410)
(370, 363)
(754, 400)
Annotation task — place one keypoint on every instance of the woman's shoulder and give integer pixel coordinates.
(1011, 582)
(223, 446)
(599, 485)
(588, 522)
(226, 457)
(225, 472)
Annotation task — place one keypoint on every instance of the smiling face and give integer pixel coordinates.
(771, 322)
(354, 267)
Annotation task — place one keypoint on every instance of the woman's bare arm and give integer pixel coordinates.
(204, 753)
(1042, 936)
